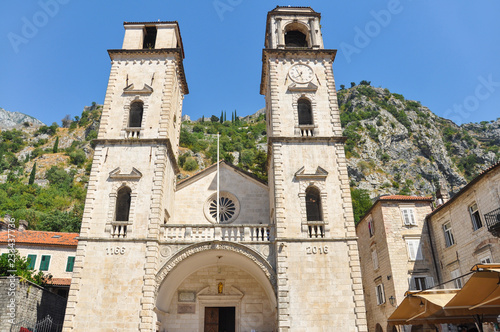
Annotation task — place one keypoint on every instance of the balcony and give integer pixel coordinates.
(306, 130)
(314, 229)
(200, 233)
(493, 221)
(132, 132)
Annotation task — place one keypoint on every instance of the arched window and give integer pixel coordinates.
(135, 116)
(295, 38)
(313, 204)
(122, 204)
(305, 112)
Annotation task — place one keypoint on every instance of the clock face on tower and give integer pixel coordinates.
(301, 73)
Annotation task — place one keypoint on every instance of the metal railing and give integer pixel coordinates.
(44, 325)
(235, 233)
(493, 221)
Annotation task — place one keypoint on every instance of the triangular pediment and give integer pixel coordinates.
(245, 176)
(129, 89)
(320, 173)
(117, 175)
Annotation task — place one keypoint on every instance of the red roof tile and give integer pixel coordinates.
(59, 281)
(404, 198)
(38, 237)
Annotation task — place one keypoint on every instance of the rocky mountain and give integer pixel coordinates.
(399, 146)
(10, 120)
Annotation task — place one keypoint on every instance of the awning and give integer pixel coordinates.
(478, 301)
(480, 295)
(420, 307)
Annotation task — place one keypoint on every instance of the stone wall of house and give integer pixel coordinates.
(27, 302)
(395, 268)
(470, 246)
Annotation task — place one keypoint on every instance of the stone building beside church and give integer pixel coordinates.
(156, 255)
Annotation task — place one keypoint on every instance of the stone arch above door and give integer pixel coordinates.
(194, 257)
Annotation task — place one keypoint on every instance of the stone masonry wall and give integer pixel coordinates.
(25, 301)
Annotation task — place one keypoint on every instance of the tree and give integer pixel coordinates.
(363, 82)
(32, 175)
(225, 119)
(203, 119)
(77, 157)
(58, 177)
(342, 86)
(353, 84)
(55, 148)
(361, 203)
(221, 119)
(213, 118)
(191, 164)
(247, 157)
(20, 267)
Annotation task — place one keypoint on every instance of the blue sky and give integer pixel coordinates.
(444, 54)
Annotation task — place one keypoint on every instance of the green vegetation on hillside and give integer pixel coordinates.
(57, 206)
(237, 137)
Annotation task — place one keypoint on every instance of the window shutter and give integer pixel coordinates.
(405, 216)
(382, 295)
(376, 295)
(70, 264)
(412, 217)
(31, 261)
(44, 264)
(419, 250)
(411, 283)
(429, 281)
(411, 249)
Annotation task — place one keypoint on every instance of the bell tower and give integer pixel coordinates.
(132, 183)
(318, 269)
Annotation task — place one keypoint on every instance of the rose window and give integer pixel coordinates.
(229, 208)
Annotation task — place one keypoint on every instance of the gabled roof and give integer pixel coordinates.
(213, 168)
(404, 198)
(38, 237)
(466, 187)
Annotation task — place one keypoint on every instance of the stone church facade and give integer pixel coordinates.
(157, 255)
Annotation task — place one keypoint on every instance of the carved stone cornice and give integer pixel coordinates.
(334, 139)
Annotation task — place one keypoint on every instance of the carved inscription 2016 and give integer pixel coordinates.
(317, 250)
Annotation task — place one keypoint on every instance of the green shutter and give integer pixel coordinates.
(31, 262)
(44, 264)
(70, 264)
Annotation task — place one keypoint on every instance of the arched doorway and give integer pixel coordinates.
(216, 287)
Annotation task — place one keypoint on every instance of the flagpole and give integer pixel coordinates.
(217, 178)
